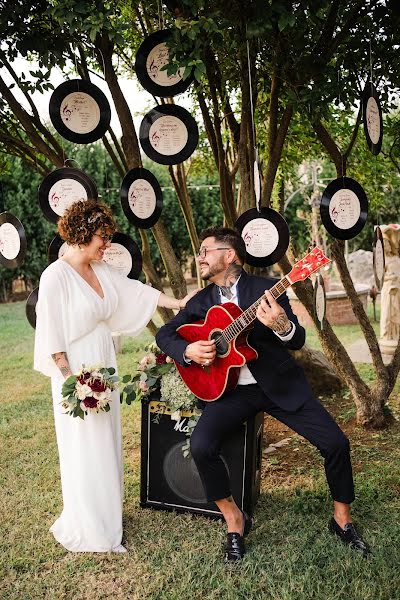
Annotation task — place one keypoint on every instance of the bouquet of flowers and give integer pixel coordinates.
(88, 391)
(156, 373)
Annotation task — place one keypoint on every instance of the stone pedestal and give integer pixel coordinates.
(388, 348)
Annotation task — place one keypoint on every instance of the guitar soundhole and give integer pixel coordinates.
(221, 343)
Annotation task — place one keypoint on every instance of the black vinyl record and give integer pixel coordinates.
(30, 308)
(124, 255)
(12, 241)
(168, 134)
(141, 198)
(151, 57)
(266, 235)
(372, 118)
(379, 258)
(79, 111)
(319, 300)
(61, 188)
(57, 249)
(344, 208)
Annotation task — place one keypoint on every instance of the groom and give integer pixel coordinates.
(273, 383)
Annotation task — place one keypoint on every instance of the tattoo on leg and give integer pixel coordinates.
(232, 274)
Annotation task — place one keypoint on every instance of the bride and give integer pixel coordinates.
(82, 300)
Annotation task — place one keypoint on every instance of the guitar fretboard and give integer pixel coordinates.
(238, 325)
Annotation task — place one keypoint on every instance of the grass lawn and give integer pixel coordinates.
(290, 555)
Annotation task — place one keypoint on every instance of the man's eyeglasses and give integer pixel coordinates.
(202, 253)
(106, 238)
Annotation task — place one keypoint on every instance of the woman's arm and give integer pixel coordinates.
(61, 360)
(169, 302)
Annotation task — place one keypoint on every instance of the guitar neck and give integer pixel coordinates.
(249, 315)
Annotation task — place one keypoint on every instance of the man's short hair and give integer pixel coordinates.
(227, 236)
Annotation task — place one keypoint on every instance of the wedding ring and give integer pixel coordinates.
(207, 362)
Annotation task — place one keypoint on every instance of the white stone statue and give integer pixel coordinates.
(390, 293)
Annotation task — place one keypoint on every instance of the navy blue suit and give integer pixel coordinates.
(281, 390)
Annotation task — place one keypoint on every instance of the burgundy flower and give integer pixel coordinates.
(161, 359)
(97, 386)
(90, 402)
(83, 378)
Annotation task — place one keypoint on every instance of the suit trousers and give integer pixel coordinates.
(311, 420)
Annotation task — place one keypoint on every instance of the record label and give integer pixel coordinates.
(168, 135)
(119, 257)
(159, 57)
(373, 120)
(265, 234)
(80, 112)
(142, 198)
(261, 237)
(64, 193)
(151, 57)
(344, 209)
(61, 188)
(378, 258)
(10, 243)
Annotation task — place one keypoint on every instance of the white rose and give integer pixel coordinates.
(151, 359)
(82, 391)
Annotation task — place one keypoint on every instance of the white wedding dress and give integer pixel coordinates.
(73, 318)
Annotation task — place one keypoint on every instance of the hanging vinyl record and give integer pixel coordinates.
(30, 308)
(124, 254)
(319, 300)
(168, 134)
(141, 198)
(266, 235)
(79, 111)
(372, 118)
(57, 249)
(61, 188)
(151, 57)
(378, 258)
(12, 241)
(344, 208)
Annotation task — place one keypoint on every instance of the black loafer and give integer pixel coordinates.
(349, 536)
(235, 549)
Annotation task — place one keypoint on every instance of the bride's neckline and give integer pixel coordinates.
(83, 279)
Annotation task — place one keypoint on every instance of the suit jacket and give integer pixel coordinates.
(275, 370)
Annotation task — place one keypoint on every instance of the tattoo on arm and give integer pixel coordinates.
(61, 360)
(281, 325)
(232, 274)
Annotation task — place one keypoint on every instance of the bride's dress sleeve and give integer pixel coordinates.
(50, 323)
(137, 303)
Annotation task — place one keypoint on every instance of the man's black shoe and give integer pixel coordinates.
(235, 549)
(349, 536)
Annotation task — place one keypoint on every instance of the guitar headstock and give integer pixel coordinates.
(308, 265)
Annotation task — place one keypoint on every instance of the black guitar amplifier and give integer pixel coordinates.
(170, 481)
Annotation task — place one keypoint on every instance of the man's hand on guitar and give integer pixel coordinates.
(202, 352)
(271, 314)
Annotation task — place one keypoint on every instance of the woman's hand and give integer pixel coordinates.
(185, 300)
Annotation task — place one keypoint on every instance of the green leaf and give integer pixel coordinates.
(126, 378)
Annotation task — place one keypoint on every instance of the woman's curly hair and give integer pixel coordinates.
(82, 219)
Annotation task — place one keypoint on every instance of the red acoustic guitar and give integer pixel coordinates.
(229, 326)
